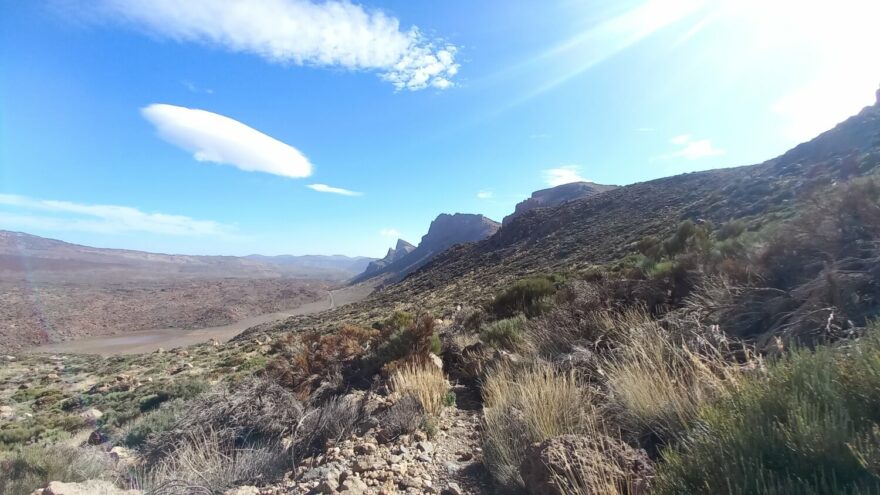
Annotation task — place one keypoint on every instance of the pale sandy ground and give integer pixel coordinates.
(169, 338)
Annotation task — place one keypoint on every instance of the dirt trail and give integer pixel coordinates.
(169, 338)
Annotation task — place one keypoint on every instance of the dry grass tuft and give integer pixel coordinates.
(425, 382)
(528, 405)
(208, 462)
(657, 383)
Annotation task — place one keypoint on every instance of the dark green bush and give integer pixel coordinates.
(808, 427)
(416, 339)
(504, 334)
(526, 296)
(731, 230)
(157, 421)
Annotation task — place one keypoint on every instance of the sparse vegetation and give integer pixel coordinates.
(527, 296)
(32, 466)
(524, 406)
(657, 383)
(504, 334)
(808, 426)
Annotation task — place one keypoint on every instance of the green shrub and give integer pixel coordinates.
(731, 230)
(399, 320)
(416, 339)
(527, 296)
(809, 426)
(436, 346)
(505, 334)
(32, 467)
(154, 422)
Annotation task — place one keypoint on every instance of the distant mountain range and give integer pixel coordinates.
(336, 262)
(44, 258)
(24, 254)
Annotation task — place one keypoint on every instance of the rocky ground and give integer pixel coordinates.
(449, 462)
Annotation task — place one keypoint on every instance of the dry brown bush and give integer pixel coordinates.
(304, 362)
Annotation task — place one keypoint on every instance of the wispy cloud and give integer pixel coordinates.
(324, 188)
(485, 194)
(691, 149)
(194, 88)
(563, 175)
(215, 138)
(389, 232)
(31, 213)
(334, 33)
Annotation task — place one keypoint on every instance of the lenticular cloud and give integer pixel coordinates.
(211, 137)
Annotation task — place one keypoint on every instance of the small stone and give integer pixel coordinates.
(91, 487)
(453, 489)
(7, 413)
(325, 487)
(361, 465)
(91, 414)
(243, 490)
(426, 447)
(410, 482)
(353, 486)
(435, 360)
(96, 438)
(365, 449)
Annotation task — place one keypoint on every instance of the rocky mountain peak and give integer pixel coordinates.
(557, 195)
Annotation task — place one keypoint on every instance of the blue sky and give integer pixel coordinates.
(291, 126)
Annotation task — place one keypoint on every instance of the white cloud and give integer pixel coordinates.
(681, 140)
(692, 149)
(389, 232)
(333, 33)
(215, 138)
(324, 188)
(563, 175)
(31, 213)
(484, 194)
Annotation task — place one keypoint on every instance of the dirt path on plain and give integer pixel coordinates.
(168, 338)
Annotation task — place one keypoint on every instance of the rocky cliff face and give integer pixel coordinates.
(402, 249)
(445, 231)
(556, 196)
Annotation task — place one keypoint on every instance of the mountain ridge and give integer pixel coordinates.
(553, 196)
(444, 232)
